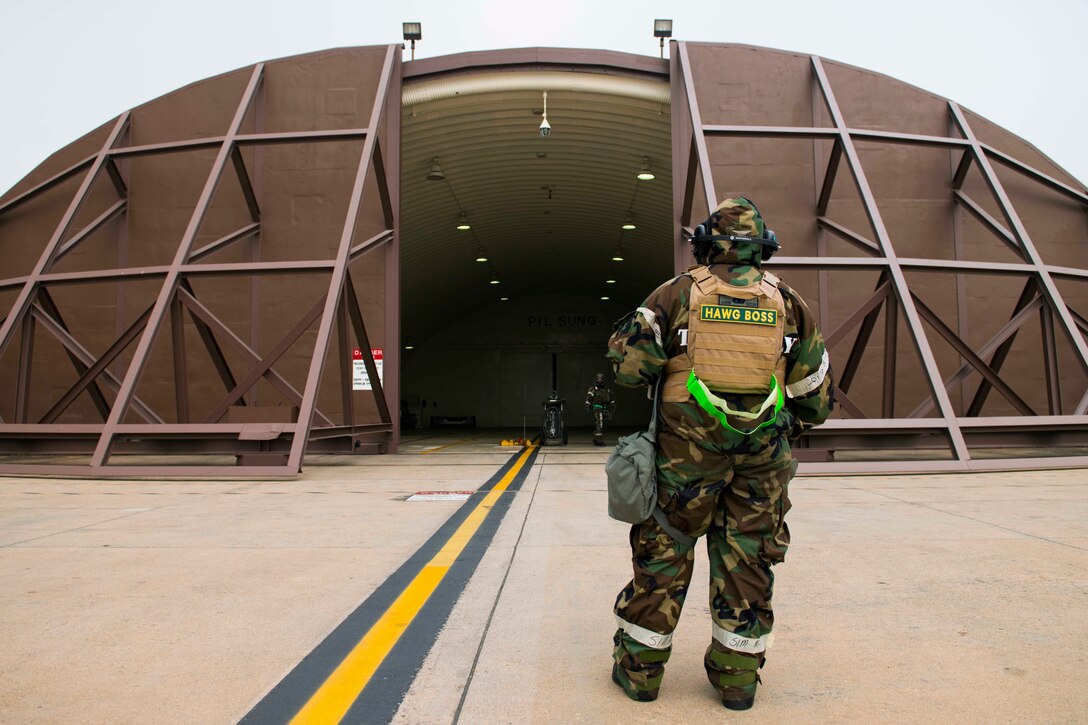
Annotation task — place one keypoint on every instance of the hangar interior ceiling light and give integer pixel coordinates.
(462, 223)
(645, 174)
(629, 223)
(436, 172)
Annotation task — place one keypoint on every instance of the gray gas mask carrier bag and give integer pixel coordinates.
(632, 478)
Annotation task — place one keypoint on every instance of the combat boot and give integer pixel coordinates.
(621, 679)
(636, 668)
(734, 676)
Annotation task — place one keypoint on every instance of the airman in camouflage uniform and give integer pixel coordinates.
(600, 406)
(714, 481)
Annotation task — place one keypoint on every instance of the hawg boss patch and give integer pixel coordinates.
(744, 315)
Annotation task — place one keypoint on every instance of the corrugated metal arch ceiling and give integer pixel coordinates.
(546, 212)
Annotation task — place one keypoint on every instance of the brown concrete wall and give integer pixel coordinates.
(912, 186)
(303, 191)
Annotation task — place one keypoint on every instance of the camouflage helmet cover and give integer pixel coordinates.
(737, 216)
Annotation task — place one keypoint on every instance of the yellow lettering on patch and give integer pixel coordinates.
(743, 315)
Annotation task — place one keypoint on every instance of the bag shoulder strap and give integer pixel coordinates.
(653, 415)
(659, 515)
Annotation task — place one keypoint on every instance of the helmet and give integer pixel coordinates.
(737, 222)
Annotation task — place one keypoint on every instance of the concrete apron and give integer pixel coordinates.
(903, 598)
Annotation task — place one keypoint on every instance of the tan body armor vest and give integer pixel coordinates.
(734, 337)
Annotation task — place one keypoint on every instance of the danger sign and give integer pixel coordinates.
(360, 379)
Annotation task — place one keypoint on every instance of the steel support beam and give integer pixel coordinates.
(47, 184)
(968, 354)
(829, 179)
(899, 282)
(1050, 362)
(118, 208)
(891, 344)
(45, 260)
(213, 324)
(245, 232)
(356, 317)
(170, 285)
(85, 360)
(264, 365)
(998, 190)
(842, 232)
(336, 284)
(990, 223)
(96, 369)
(1029, 302)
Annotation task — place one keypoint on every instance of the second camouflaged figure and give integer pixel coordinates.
(600, 406)
(746, 373)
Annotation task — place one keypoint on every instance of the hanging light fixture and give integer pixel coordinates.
(435, 173)
(645, 174)
(604, 297)
(545, 127)
(629, 223)
(462, 224)
(610, 281)
(494, 280)
(617, 256)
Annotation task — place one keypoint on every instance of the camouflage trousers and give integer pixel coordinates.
(738, 501)
(598, 424)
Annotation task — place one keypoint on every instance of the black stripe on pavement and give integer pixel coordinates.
(382, 696)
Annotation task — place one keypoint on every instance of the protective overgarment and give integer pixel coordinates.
(600, 406)
(719, 475)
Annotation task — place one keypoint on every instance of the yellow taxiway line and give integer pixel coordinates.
(335, 696)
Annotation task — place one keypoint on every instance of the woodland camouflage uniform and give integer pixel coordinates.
(600, 407)
(730, 487)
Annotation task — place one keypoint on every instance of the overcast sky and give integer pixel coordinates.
(70, 65)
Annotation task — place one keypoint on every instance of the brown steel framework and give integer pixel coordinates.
(958, 434)
(263, 445)
(940, 426)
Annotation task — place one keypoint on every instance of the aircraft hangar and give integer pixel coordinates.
(296, 256)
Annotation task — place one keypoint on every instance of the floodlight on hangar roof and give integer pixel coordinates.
(955, 245)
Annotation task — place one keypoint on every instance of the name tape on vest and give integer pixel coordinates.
(744, 315)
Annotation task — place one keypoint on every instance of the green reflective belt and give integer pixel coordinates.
(719, 409)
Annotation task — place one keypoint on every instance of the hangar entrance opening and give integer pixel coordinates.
(519, 250)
